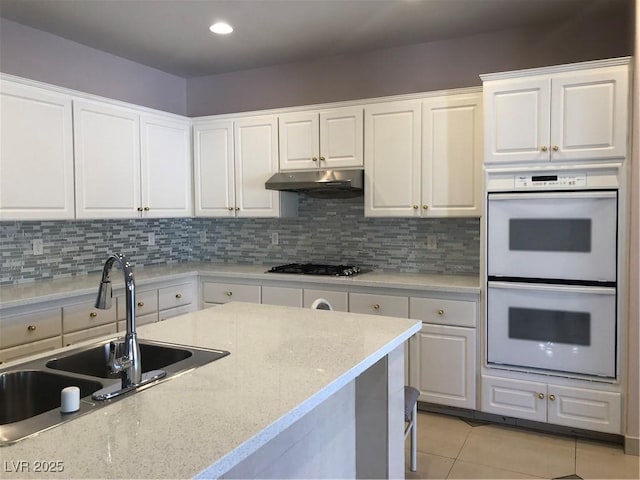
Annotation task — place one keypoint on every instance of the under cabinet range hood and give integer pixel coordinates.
(320, 183)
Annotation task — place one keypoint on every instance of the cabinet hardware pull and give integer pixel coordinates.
(415, 207)
(146, 209)
(141, 304)
(555, 148)
(552, 397)
(178, 295)
(228, 294)
(425, 206)
(93, 314)
(230, 209)
(544, 148)
(31, 328)
(322, 159)
(237, 208)
(541, 396)
(376, 306)
(139, 209)
(441, 312)
(314, 159)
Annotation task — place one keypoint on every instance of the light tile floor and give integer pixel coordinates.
(449, 447)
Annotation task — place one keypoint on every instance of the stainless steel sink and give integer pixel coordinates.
(30, 392)
(93, 362)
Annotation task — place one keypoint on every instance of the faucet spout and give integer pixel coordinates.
(129, 364)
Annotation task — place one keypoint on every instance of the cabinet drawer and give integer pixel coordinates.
(174, 312)
(338, 300)
(444, 312)
(85, 315)
(390, 305)
(175, 296)
(140, 320)
(32, 348)
(82, 335)
(146, 303)
(29, 327)
(286, 296)
(229, 292)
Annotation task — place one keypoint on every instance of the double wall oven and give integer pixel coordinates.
(551, 272)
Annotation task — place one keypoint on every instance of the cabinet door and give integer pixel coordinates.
(437, 347)
(30, 327)
(36, 154)
(516, 120)
(452, 156)
(107, 153)
(256, 152)
(514, 398)
(213, 292)
(392, 159)
(341, 137)
(166, 167)
(213, 161)
(589, 112)
(299, 141)
(374, 304)
(286, 296)
(588, 409)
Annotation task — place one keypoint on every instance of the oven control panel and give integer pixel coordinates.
(564, 180)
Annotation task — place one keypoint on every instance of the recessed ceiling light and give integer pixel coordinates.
(221, 28)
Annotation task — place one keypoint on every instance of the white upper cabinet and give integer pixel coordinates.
(392, 159)
(232, 161)
(423, 158)
(327, 139)
(130, 164)
(107, 153)
(36, 153)
(568, 115)
(452, 155)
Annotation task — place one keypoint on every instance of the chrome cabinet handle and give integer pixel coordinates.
(31, 328)
(93, 315)
(139, 209)
(178, 295)
(541, 396)
(376, 306)
(146, 209)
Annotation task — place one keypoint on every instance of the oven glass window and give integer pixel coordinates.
(573, 328)
(550, 234)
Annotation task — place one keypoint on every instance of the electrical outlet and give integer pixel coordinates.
(152, 238)
(274, 238)
(203, 237)
(432, 242)
(38, 248)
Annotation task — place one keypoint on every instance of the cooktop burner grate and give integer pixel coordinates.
(316, 269)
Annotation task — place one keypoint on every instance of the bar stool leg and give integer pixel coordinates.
(414, 437)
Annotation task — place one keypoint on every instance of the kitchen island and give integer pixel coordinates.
(304, 393)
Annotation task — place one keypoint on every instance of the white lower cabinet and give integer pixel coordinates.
(373, 304)
(339, 300)
(284, 296)
(82, 335)
(443, 365)
(546, 402)
(14, 353)
(217, 292)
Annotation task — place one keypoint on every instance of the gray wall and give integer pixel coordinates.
(34, 54)
(590, 35)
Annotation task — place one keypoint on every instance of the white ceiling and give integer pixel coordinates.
(173, 35)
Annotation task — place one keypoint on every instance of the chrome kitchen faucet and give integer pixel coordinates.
(129, 365)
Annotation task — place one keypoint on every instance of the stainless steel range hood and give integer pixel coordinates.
(320, 183)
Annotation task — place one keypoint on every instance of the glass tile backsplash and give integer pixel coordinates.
(326, 231)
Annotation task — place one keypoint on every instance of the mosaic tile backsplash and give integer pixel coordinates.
(325, 231)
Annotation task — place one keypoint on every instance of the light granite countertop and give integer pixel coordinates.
(44, 290)
(284, 362)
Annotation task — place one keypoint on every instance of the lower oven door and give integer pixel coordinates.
(562, 328)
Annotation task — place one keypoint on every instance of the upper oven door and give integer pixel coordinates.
(553, 235)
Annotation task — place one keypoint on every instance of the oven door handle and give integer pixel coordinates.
(553, 288)
(553, 195)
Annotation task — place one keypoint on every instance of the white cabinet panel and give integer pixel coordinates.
(443, 365)
(30, 327)
(14, 353)
(459, 313)
(214, 292)
(582, 408)
(146, 304)
(299, 137)
(286, 296)
(82, 335)
(452, 155)
(392, 159)
(36, 154)
(514, 398)
(374, 304)
(84, 315)
(338, 300)
(166, 167)
(107, 156)
(175, 296)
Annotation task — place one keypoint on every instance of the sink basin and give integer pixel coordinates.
(30, 392)
(27, 393)
(93, 362)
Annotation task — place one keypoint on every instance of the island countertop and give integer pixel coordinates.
(284, 362)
